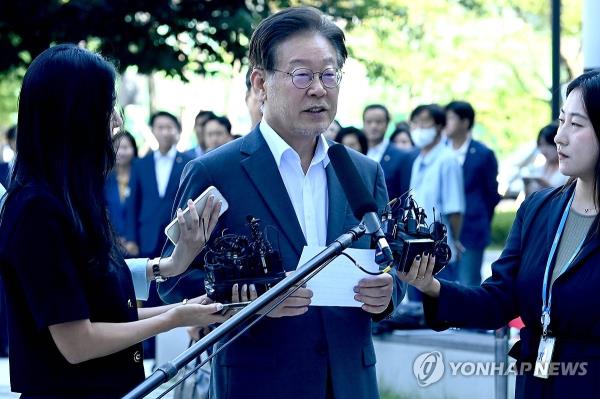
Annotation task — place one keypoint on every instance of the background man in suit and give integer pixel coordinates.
(200, 149)
(154, 180)
(480, 172)
(437, 181)
(396, 164)
(281, 174)
(217, 131)
(153, 186)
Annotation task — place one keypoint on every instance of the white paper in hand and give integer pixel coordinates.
(334, 285)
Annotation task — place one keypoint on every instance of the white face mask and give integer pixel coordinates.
(423, 137)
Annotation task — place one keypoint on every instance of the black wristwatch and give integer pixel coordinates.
(155, 264)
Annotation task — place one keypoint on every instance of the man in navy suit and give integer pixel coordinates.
(480, 171)
(396, 164)
(281, 174)
(154, 181)
(200, 149)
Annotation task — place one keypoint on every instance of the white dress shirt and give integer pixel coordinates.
(376, 152)
(437, 183)
(461, 152)
(163, 164)
(307, 192)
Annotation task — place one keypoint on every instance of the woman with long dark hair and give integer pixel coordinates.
(117, 188)
(548, 272)
(74, 329)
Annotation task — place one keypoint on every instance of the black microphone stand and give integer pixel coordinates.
(304, 273)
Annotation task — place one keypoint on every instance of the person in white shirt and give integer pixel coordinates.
(480, 172)
(437, 179)
(281, 174)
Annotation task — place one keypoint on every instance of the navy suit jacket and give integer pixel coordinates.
(192, 154)
(397, 167)
(117, 210)
(515, 289)
(148, 214)
(480, 172)
(286, 357)
(4, 173)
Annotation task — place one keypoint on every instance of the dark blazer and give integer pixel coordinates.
(286, 357)
(397, 167)
(117, 210)
(148, 214)
(4, 173)
(480, 172)
(192, 154)
(54, 283)
(514, 289)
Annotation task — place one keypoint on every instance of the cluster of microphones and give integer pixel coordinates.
(400, 233)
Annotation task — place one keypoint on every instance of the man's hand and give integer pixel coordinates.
(375, 292)
(294, 305)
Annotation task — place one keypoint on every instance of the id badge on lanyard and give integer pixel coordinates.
(547, 341)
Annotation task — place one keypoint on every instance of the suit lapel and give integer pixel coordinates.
(591, 245)
(259, 164)
(386, 157)
(178, 165)
(149, 169)
(471, 153)
(337, 205)
(591, 242)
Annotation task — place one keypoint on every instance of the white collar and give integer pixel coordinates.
(381, 146)
(169, 155)
(463, 148)
(432, 154)
(279, 147)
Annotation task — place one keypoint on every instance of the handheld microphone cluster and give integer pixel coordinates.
(360, 200)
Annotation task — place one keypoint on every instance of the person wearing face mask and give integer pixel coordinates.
(437, 179)
(548, 271)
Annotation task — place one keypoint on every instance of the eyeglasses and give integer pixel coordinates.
(303, 77)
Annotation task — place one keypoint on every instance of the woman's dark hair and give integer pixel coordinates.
(360, 136)
(275, 29)
(166, 115)
(11, 133)
(221, 120)
(124, 134)
(402, 127)
(547, 134)
(66, 101)
(589, 86)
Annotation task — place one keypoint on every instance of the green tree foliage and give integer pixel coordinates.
(177, 37)
(173, 36)
(493, 53)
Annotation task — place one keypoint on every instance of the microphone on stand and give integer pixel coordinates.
(361, 201)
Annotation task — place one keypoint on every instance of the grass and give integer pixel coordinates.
(501, 225)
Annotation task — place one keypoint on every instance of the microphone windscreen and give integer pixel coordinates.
(360, 199)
